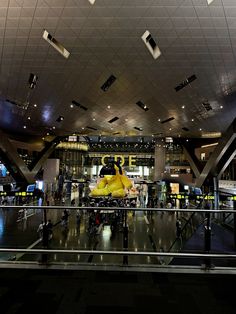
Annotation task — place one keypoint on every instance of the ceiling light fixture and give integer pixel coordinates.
(71, 105)
(77, 104)
(186, 82)
(28, 118)
(183, 107)
(91, 1)
(60, 118)
(32, 80)
(142, 105)
(192, 120)
(111, 79)
(113, 119)
(151, 44)
(35, 105)
(221, 107)
(55, 44)
(209, 1)
(24, 126)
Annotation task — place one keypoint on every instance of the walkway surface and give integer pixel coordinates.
(92, 292)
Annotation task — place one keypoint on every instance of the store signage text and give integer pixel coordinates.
(132, 159)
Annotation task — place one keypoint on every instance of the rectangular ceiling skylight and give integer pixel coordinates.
(151, 44)
(55, 44)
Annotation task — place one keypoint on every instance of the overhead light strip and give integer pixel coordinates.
(151, 44)
(113, 120)
(142, 105)
(77, 104)
(111, 79)
(167, 120)
(186, 82)
(209, 145)
(55, 44)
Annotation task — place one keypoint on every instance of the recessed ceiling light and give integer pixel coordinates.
(200, 129)
(24, 126)
(192, 120)
(159, 120)
(28, 118)
(109, 107)
(35, 105)
(43, 138)
(71, 105)
(221, 107)
(60, 118)
(183, 107)
(92, 1)
(94, 119)
(187, 140)
(126, 120)
(47, 133)
(53, 127)
(82, 128)
(170, 129)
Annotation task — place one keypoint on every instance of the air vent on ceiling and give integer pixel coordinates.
(185, 82)
(151, 44)
(113, 119)
(137, 128)
(32, 80)
(77, 104)
(207, 106)
(91, 128)
(141, 105)
(167, 120)
(55, 44)
(185, 129)
(60, 118)
(111, 79)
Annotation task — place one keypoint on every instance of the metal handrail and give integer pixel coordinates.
(100, 252)
(123, 208)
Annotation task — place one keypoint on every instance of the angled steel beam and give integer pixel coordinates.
(192, 159)
(43, 155)
(12, 157)
(223, 145)
(227, 158)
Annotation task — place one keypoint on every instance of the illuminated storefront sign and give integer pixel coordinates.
(132, 159)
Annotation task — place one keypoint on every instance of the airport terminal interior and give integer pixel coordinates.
(117, 156)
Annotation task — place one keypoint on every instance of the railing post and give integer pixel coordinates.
(234, 202)
(207, 239)
(125, 238)
(45, 236)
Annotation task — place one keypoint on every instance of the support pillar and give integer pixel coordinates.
(160, 160)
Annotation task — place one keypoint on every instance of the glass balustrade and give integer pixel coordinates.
(116, 235)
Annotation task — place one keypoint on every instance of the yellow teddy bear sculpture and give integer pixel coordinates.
(113, 183)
